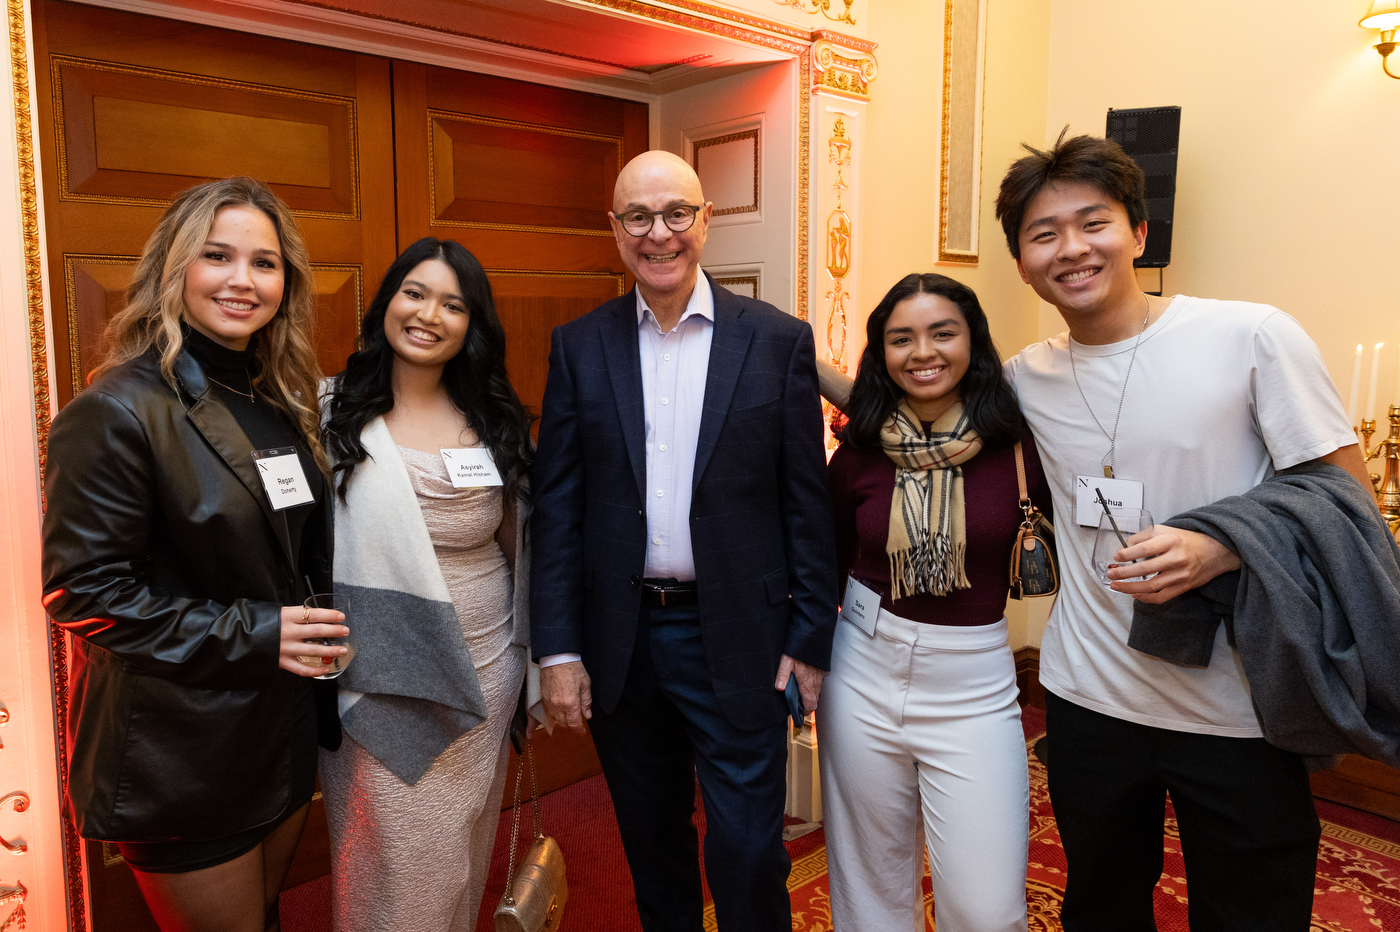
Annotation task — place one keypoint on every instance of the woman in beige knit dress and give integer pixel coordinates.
(432, 453)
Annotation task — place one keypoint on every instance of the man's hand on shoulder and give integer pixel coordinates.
(809, 680)
(567, 694)
(1181, 560)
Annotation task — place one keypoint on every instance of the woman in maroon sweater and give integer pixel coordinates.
(920, 729)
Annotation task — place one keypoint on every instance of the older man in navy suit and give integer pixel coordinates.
(684, 558)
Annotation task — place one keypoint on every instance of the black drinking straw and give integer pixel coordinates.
(1116, 532)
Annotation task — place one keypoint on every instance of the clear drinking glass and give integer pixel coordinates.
(339, 603)
(1116, 526)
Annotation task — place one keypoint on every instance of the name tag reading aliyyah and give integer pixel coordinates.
(861, 607)
(471, 467)
(282, 477)
(1119, 493)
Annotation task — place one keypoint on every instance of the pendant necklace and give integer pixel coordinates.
(1113, 437)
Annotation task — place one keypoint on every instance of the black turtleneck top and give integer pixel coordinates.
(230, 374)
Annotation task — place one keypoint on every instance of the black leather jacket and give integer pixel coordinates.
(164, 558)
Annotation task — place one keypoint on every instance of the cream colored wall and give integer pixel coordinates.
(899, 174)
(1289, 135)
(1288, 159)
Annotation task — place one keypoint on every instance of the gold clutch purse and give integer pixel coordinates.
(535, 897)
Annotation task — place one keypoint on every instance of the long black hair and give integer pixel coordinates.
(986, 395)
(475, 378)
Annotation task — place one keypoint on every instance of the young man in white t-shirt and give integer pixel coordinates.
(1183, 401)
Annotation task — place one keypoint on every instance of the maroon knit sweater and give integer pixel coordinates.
(862, 486)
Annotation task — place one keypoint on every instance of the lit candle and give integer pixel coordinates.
(1355, 387)
(1375, 373)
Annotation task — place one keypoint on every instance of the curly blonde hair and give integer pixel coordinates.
(288, 374)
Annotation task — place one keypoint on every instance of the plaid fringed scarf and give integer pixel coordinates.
(928, 532)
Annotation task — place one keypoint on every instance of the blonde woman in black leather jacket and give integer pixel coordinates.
(193, 723)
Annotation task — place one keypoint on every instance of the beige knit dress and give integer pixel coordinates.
(415, 858)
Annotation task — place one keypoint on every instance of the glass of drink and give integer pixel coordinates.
(335, 665)
(1116, 527)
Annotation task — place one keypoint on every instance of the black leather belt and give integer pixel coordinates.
(668, 593)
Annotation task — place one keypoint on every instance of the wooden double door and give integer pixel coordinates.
(371, 154)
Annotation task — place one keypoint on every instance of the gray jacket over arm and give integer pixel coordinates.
(1315, 612)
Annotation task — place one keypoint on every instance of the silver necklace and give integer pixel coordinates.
(1113, 437)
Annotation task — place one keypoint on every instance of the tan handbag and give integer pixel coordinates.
(1033, 569)
(534, 900)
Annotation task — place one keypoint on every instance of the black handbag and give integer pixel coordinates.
(1034, 572)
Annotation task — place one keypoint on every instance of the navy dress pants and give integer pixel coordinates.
(1249, 830)
(668, 729)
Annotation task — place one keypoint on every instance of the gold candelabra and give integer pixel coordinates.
(1387, 485)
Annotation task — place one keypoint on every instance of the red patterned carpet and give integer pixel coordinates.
(1358, 879)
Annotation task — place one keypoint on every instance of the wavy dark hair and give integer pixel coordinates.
(986, 395)
(475, 378)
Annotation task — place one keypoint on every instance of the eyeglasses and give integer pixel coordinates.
(678, 219)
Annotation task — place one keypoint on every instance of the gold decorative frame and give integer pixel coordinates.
(945, 252)
(56, 80)
(511, 124)
(740, 280)
(719, 141)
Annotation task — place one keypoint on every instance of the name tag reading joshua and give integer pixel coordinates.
(861, 607)
(1120, 493)
(282, 477)
(471, 467)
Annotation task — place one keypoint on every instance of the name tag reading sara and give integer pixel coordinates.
(861, 607)
(1120, 493)
(282, 477)
(471, 467)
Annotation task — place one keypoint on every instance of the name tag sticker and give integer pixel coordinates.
(471, 467)
(861, 606)
(1120, 493)
(282, 477)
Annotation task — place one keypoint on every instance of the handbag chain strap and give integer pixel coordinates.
(528, 756)
(1027, 508)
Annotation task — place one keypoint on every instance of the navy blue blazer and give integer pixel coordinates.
(760, 516)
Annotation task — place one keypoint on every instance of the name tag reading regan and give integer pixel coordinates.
(471, 467)
(282, 477)
(861, 607)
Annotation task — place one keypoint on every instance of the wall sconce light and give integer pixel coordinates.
(1385, 16)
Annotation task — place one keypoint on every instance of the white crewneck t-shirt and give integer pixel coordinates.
(1223, 393)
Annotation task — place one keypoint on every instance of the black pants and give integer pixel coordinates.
(1249, 830)
(668, 729)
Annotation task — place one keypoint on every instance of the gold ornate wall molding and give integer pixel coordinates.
(842, 65)
(960, 161)
(29, 220)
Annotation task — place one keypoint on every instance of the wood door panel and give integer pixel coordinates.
(127, 134)
(521, 175)
(95, 288)
(189, 48)
(134, 109)
(530, 306)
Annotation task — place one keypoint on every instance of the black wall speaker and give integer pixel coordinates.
(1150, 136)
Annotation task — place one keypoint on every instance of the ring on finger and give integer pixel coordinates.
(305, 613)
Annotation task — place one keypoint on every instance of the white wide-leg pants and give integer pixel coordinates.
(920, 735)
